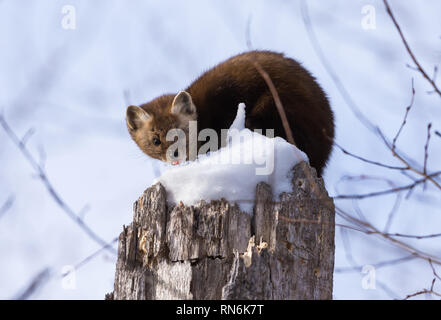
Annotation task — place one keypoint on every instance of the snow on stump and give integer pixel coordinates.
(213, 250)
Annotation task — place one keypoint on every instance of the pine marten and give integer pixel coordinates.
(212, 100)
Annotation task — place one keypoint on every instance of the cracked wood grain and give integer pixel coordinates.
(213, 250)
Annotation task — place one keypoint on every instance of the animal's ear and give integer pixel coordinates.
(136, 117)
(183, 105)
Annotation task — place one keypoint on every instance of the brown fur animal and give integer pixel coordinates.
(212, 100)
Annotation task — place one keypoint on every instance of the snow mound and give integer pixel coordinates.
(232, 172)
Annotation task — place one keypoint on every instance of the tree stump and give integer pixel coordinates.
(215, 251)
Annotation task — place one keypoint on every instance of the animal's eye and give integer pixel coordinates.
(156, 141)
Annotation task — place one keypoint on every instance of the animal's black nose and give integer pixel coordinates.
(176, 154)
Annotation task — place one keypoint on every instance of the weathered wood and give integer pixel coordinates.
(215, 251)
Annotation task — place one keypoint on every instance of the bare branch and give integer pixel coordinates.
(387, 191)
(429, 177)
(91, 257)
(416, 171)
(378, 265)
(7, 205)
(279, 106)
(412, 56)
(424, 291)
(328, 67)
(426, 148)
(369, 161)
(368, 228)
(393, 211)
(271, 87)
(405, 117)
(37, 282)
(335, 78)
(418, 237)
(27, 136)
(435, 73)
(434, 271)
(49, 187)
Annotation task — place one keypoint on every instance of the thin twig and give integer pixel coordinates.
(331, 72)
(424, 291)
(328, 67)
(277, 101)
(348, 252)
(429, 177)
(7, 205)
(403, 123)
(372, 230)
(36, 283)
(49, 187)
(412, 56)
(369, 161)
(347, 247)
(280, 109)
(418, 237)
(378, 265)
(387, 191)
(426, 148)
(393, 212)
(90, 257)
(269, 82)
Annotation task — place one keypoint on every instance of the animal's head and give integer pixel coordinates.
(149, 124)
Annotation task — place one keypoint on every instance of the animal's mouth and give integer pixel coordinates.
(175, 162)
